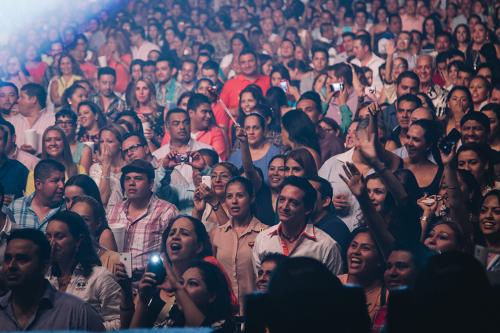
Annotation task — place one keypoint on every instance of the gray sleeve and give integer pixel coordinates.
(89, 319)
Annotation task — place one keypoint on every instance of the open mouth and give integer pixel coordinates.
(175, 247)
(489, 225)
(355, 262)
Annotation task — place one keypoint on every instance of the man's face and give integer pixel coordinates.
(106, 85)
(360, 19)
(443, 44)
(188, 73)
(463, 79)
(328, 32)
(264, 275)
(135, 38)
(200, 118)
(407, 86)
(248, 64)
(347, 41)
(400, 270)
(411, 7)
(179, 127)
(8, 98)
(163, 72)
(495, 96)
(52, 188)
(319, 61)
(403, 42)
(137, 185)
(22, 267)
(395, 25)
(133, 149)
(473, 132)
(26, 103)
(67, 125)
(424, 69)
(210, 74)
(405, 108)
(359, 50)
(291, 207)
(286, 49)
(149, 72)
(56, 49)
(309, 108)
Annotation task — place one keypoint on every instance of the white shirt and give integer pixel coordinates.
(374, 63)
(330, 171)
(143, 51)
(46, 118)
(313, 243)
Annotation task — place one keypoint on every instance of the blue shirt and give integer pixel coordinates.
(262, 164)
(25, 217)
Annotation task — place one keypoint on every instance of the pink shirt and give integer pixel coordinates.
(412, 23)
(46, 119)
(214, 137)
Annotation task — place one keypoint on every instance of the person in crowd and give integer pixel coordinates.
(299, 162)
(231, 241)
(34, 64)
(9, 94)
(29, 291)
(229, 64)
(35, 210)
(69, 72)
(16, 72)
(143, 213)
(13, 173)
(32, 116)
(492, 111)
(73, 96)
(107, 172)
(364, 57)
(168, 90)
(459, 103)
(319, 63)
(187, 74)
(489, 226)
(140, 46)
(406, 104)
(91, 121)
(294, 236)
(119, 58)
(275, 176)
(55, 147)
(106, 98)
(475, 158)
(475, 128)
(267, 267)
(80, 152)
(480, 90)
(76, 268)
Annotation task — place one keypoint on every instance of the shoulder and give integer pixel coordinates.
(197, 145)
(18, 165)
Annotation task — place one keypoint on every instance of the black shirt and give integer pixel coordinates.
(13, 176)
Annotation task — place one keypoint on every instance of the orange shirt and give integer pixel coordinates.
(122, 74)
(230, 93)
(215, 138)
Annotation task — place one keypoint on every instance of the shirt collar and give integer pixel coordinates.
(252, 226)
(346, 156)
(47, 297)
(308, 232)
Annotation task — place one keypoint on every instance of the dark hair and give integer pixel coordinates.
(365, 40)
(319, 50)
(247, 184)
(479, 117)
(309, 197)
(4, 84)
(87, 184)
(96, 110)
(139, 135)
(35, 236)
(246, 51)
(175, 110)
(10, 128)
(409, 98)
(68, 113)
(437, 26)
(135, 62)
(106, 71)
(283, 157)
(483, 152)
(303, 157)
(467, 95)
(242, 39)
(277, 258)
(343, 71)
(312, 96)
(280, 68)
(44, 168)
(210, 64)
(196, 100)
(301, 129)
(75, 67)
(409, 75)
(431, 133)
(169, 60)
(132, 114)
(201, 235)
(68, 93)
(85, 254)
(97, 211)
(210, 153)
(36, 90)
(262, 120)
(467, 33)
(138, 30)
(276, 98)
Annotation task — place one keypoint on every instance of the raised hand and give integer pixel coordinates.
(448, 158)
(147, 287)
(353, 179)
(197, 161)
(169, 161)
(241, 134)
(390, 47)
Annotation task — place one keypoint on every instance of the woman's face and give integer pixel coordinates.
(204, 88)
(195, 286)
(142, 92)
(136, 72)
(429, 27)
(238, 201)
(461, 34)
(293, 168)
(220, 177)
(85, 211)
(86, 117)
(109, 139)
(255, 132)
(493, 122)
(299, 54)
(377, 193)
(182, 241)
(362, 255)
(469, 160)
(237, 46)
(276, 79)
(458, 102)
(489, 216)
(64, 246)
(381, 15)
(169, 36)
(399, 67)
(276, 173)
(70, 192)
(267, 67)
(441, 238)
(78, 96)
(453, 74)
(66, 66)
(54, 144)
(153, 31)
(111, 44)
(478, 34)
(415, 144)
(248, 102)
(478, 90)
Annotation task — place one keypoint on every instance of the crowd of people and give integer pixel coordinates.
(255, 165)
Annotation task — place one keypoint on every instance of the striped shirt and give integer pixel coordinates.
(25, 217)
(143, 234)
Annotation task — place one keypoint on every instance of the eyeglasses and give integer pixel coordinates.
(132, 149)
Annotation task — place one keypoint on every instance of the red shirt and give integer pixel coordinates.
(230, 93)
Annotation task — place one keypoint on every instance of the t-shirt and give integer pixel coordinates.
(13, 176)
(262, 163)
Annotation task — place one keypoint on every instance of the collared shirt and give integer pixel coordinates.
(374, 63)
(99, 290)
(230, 93)
(56, 311)
(13, 175)
(25, 217)
(29, 161)
(234, 252)
(116, 106)
(143, 234)
(168, 94)
(213, 137)
(331, 171)
(312, 242)
(46, 118)
(143, 51)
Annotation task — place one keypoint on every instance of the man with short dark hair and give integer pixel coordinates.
(8, 98)
(319, 62)
(13, 152)
(347, 44)
(32, 116)
(341, 74)
(405, 105)
(295, 236)
(267, 266)
(13, 174)
(475, 128)
(366, 58)
(168, 89)
(144, 214)
(32, 304)
(310, 103)
(188, 74)
(35, 210)
(106, 98)
(140, 46)
(210, 70)
(464, 75)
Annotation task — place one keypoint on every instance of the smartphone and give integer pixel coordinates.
(207, 180)
(126, 260)
(155, 265)
(449, 141)
(284, 86)
(337, 86)
(429, 201)
(182, 158)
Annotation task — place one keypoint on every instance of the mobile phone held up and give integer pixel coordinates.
(446, 145)
(284, 86)
(337, 87)
(155, 265)
(182, 158)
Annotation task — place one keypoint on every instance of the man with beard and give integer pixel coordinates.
(168, 89)
(35, 210)
(8, 98)
(106, 98)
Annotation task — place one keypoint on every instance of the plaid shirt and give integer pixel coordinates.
(25, 217)
(116, 106)
(143, 235)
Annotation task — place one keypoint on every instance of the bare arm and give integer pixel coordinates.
(250, 171)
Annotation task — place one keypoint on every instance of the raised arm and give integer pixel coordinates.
(250, 171)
